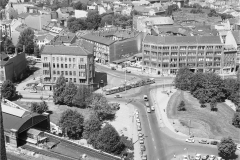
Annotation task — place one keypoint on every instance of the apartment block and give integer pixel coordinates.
(165, 55)
(73, 62)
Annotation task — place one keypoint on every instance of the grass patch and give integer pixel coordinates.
(203, 121)
(57, 110)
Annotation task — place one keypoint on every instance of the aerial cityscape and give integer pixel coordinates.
(119, 80)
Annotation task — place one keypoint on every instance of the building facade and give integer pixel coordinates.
(165, 55)
(73, 62)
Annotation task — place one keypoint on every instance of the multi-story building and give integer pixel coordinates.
(165, 55)
(5, 27)
(73, 62)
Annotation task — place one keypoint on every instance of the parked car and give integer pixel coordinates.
(190, 140)
(127, 71)
(139, 124)
(143, 148)
(139, 128)
(137, 116)
(152, 108)
(33, 91)
(113, 68)
(185, 157)
(147, 104)
(214, 142)
(144, 157)
(198, 157)
(136, 112)
(203, 141)
(138, 120)
(148, 110)
(205, 157)
(140, 134)
(145, 98)
(141, 141)
(211, 157)
(117, 96)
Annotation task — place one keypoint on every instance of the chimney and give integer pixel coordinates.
(23, 48)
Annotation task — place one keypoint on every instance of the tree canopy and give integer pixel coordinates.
(69, 92)
(80, 99)
(71, 123)
(91, 126)
(26, 38)
(93, 20)
(3, 3)
(8, 46)
(236, 120)
(58, 92)
(39, 107)
(76, 24)
(183, 79)
(8, 89)
(227, 147)
(79, 6)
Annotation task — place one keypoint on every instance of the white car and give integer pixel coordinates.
(190, 140)
(211, 157)
(185, 157)
(138, 120)
(139, 124)
(148, 110)
(141, 141)
(139, 128)
(140, 134)
(137, 116)
(136, 112)
(152, 108)
(198, 157)
(238, 147)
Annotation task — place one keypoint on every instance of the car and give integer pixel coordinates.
(190, 140)
(214, 142)
(139, 124)
(141, 141)
(138, 120)
(203, 141)
(117, 96)
(137, 116)
(144, 157)
(140, 138)
(113, 68)
(137, 112)
(140, 134)
(127, 71)
(148, 110)
(238, 147)
(143, 148)
(147, 104)
(139, 128)
(198, 157)
(145, 98)
(152, 108)
(205, 157)
(211, 157)
(185, 157)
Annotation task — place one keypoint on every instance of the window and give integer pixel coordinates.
(69, 59)
(58, 72)
(53, 59)
(61, 65)
(54, 79)
(174, 53)
(74, 80)
(81, 59)
(57, 65)
(70, 79)
(201, 47)
(70, 66)
(165, 54)
(73, 59)
(74, 73)
(146, 52)
(66, 73)
(183, 48)
(62, 72)
(81, 66)
(159, 48)
(74, 65)
(57, 59)
(66, 79)
(61, 58)
(65, 59)
(65, 65)
(45, 58)
(45, 65)
(165, 48)
(54, 72)
(70, 73)
(174, 47)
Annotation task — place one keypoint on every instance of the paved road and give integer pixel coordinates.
(13, 157)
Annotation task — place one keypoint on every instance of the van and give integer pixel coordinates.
(145, 98)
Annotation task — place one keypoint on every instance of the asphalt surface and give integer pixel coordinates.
(13, 157)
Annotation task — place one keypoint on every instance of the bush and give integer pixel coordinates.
(181, 106)
(39, 107)
(227, 148)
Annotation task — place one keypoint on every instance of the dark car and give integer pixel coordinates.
(127, 71)
(203, 141)
(214, 142)
(113, 68)
(143, 148)
(205, 157)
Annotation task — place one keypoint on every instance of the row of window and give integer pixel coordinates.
(185, 59)
(62, 59)
(68, 66)
(180, 54)
(166, 65)
(71, 80)
(70, 73)
(181, 47)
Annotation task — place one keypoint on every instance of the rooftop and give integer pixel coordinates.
(174, 40)
(65, 50)
(98, 39)
(236, 35)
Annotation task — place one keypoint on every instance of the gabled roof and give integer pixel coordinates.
(236, 35)
(98, 39)
(159, 20)
(65, 50)
(23, 15)
(21, 27)
(184, 40)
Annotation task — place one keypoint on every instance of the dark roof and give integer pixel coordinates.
(66, 38)
(3, 56)
(65, 50)
(174, 40)
(23, 15)
(236, 35)
(98, 39)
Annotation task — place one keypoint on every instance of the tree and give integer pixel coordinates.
(79, 6)
(75, 25)
(108, 140)
(80, 98)
(227, 147)
(3, 3)
(26, 38)
(58, 92)
(39, 107)
(8, 89)
(36, 51)
(92, 139)
(8, 46)
(236, 120)
(183, 79)
(93, 20)
(71, 123)
(212, 13)
(107, 19)
(91, 126)
(181, 106)
(69, 92)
